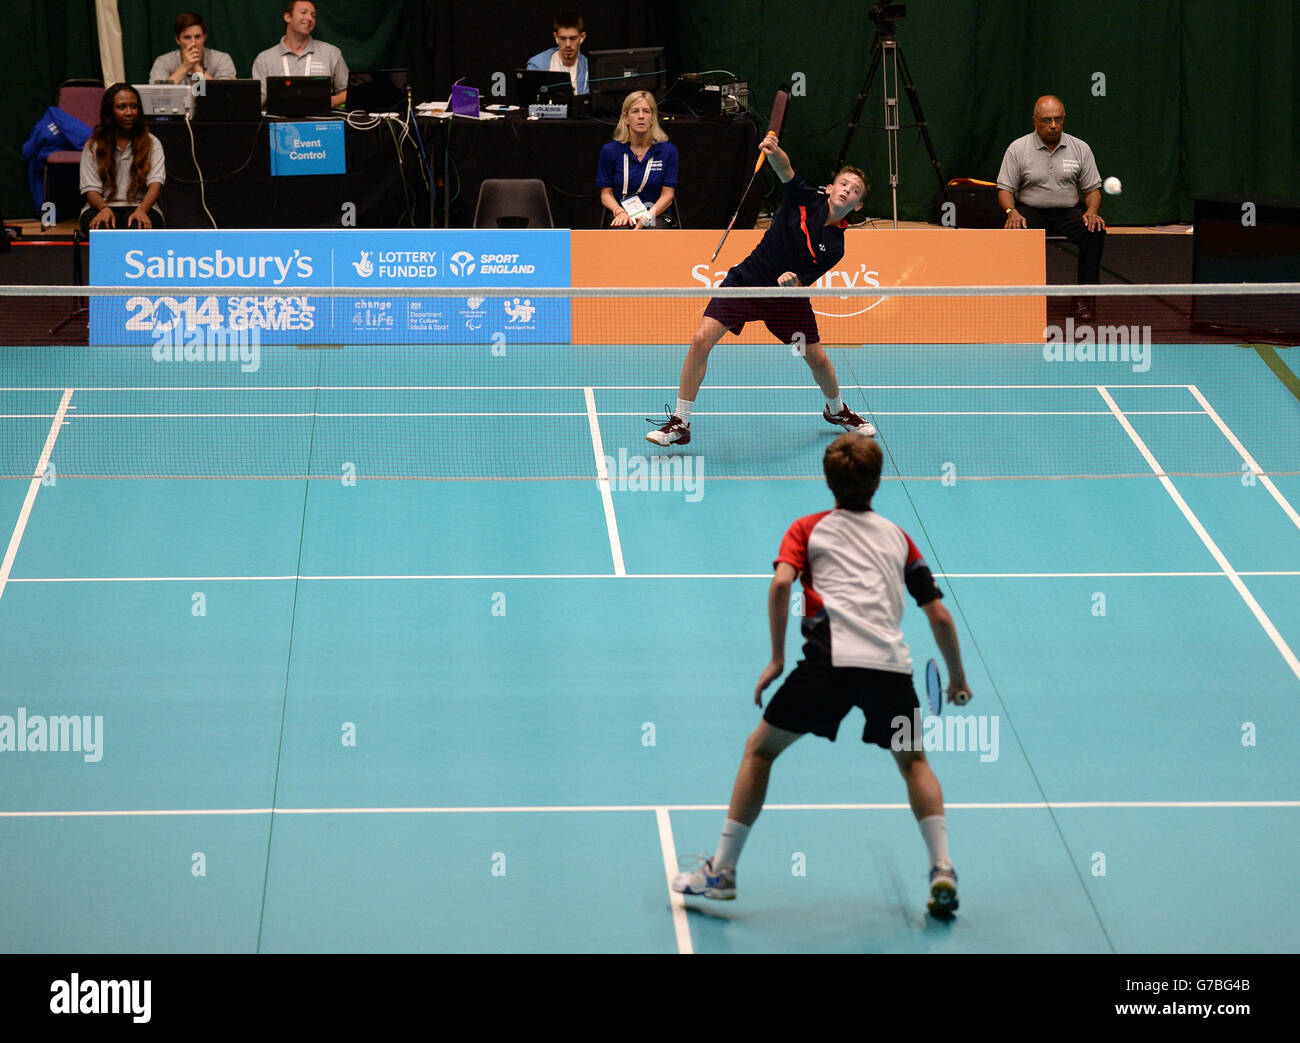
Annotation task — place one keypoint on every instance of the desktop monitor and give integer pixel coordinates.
(613, 75)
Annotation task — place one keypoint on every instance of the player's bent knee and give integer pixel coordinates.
(766, 742)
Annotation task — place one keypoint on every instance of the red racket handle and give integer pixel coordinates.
(775, 122)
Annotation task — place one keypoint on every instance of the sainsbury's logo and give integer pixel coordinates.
(218, 265)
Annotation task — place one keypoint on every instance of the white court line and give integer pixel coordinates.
(1233, 576)
(594, 387)
(602, 473)
(417, 577)
(1250, 460)
(666, 844)
(497, 414)
(6, 567)
(1114, 805)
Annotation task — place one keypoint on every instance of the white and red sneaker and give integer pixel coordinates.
(675, 432)
(850, 421)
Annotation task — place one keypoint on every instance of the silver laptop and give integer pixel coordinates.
(166, 99)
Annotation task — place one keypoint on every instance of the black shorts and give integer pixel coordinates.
(785, 317)
(815, 698)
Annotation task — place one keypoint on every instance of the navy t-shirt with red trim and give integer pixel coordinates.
(798, 241)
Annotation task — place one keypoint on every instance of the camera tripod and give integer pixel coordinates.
(887, 56)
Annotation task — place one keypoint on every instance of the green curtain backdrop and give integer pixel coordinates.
(45, 44)
(1199, 96)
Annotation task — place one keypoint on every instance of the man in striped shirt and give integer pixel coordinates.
(855, 567)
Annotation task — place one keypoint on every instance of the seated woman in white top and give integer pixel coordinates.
(122, 167)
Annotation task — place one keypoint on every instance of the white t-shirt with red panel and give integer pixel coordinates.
(855, 567)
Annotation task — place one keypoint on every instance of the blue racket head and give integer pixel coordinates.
(934, 687)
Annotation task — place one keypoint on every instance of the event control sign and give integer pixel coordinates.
(307, 148)
(281, 268)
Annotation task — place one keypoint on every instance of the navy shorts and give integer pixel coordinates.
(783, 316)
(817, 697)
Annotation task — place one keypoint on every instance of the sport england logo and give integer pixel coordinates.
(461, 263)
(364, 267)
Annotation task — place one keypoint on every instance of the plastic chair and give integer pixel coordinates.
(512, 203)
(80, 98)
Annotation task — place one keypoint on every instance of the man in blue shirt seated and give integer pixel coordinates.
(565, 56)
(637, 175)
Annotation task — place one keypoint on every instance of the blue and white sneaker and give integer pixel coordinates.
(703, 880)
(943, 891)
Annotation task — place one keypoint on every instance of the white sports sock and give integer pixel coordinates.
(729, 847)
(934, 829)
(683, 410)
(834, 405)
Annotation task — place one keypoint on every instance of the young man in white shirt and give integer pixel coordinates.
(566, 55)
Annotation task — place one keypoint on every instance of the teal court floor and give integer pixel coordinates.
(398, 649)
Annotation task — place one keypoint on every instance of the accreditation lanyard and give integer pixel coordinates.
(645, 178)
(310, 55)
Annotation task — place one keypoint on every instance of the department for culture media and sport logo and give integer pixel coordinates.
(461, 263)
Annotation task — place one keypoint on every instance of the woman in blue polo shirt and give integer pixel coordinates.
(637, 175)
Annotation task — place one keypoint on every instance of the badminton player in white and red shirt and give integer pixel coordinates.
(855, 567)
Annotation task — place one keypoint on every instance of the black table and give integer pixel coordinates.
(717, 161)
(241, 193)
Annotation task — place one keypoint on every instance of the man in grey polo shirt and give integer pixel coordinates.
(193, 59)
(299, 55)
(1042, 177)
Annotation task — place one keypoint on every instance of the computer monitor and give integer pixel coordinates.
(613, 75)
(541, 86)
(378, 90)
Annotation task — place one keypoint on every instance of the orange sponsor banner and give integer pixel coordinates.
(873, 262)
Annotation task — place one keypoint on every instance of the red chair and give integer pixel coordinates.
(80, 98)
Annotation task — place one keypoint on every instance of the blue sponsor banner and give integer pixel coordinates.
(307, 148)
(284, 266)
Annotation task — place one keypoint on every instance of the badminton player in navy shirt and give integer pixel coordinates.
(805, 241)
(637, 174)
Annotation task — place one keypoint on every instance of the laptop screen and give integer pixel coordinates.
(298, 95)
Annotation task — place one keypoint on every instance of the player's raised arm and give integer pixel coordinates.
(945, 636)
(776, 157)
